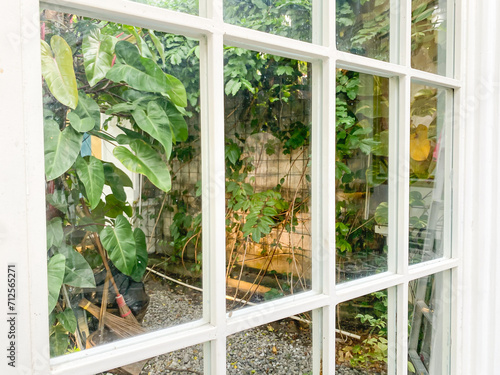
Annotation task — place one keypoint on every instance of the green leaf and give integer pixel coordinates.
(177, 122)
(57, 69)
(77, 271)
(67, 319)
(113, 177)
(158, 45)
(145, 161)
(58, 200)
(269, 211)
(82, 125)
(288, 70)
(115, 207)
(142, 255)
(155, 123)
(59, 340)
(91, 174)
(176, 91)
(382, 214)
(88, 108)
(120, 244)
(232, 87)
(233, 153)
(61, 148)
(55, 234)
(141, 44)
(144, 74)
(55, 276)
(98, 51)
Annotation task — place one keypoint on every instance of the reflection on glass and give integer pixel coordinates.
(362, 334)
(429, 28)
(185, 6)
(267, 136)
(362, 152)
(363, 27)
(428, 170)
(429, 338)
(290, 18)
(122, 167)
(281, 347)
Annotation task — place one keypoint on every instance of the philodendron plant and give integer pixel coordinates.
(92, 68)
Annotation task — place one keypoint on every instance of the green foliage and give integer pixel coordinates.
(87, 69)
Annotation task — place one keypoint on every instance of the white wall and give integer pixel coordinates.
(480, 118)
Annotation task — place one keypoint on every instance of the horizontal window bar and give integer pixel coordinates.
(132, 350)
(136, 14)
(275, 310)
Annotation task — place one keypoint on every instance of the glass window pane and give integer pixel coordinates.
(363, 27)
(184, 361)
(362, 335)
(185, 6)
(429, 337)
(430, 158)
(281, 347)
(122, 165)
(290, 18)
(362, 153)
(268, 124)
(430, 28)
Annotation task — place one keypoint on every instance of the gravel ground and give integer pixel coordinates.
(281, 348)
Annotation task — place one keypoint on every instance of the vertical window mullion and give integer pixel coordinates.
(405, 33)
(402, 329)
(402, 179)
(213, 172)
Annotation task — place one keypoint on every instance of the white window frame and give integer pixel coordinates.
(24, 102)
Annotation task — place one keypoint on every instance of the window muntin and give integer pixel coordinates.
(400, 279)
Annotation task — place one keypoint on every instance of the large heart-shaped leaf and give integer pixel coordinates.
(55, 276)
(77, 271)
(155, 123)
(145, 161)
(98, 51)
(142, 254)
(91, 174)
(144, 74)
(120, 244)
(58, 71)
(55, 234)
(61, 148)
(88, 109)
